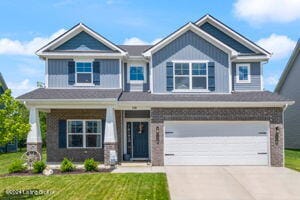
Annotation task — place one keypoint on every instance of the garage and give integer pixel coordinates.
(216, 143)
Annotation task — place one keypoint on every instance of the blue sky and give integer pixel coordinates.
(28, 25)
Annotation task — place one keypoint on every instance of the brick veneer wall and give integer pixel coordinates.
(273, 115)
(56, 154)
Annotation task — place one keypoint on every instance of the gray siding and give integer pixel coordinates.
(83, 41)
(190, 46)
(136, 87)
(58, 73)
(226, 39)
(255, 83)
(291, 89)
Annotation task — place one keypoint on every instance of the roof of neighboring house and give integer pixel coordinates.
(2, 83)
(71, 94)
(260, 96)
(288, 67)
(135, 50)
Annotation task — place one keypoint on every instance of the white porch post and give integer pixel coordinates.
(110, 136)
(34, 138)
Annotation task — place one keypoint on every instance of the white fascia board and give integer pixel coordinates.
(54, 55)
(250, 58)
(236, 36)
(199, 32)
(80, 27)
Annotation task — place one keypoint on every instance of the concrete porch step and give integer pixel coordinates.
(135, 164)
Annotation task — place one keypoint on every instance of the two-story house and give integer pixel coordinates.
(194, 98)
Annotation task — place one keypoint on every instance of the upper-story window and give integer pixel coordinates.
(137, 74)
(243, 73)
(190, 76)
(84, 72)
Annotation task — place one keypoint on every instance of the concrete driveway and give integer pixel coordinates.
(233, 183)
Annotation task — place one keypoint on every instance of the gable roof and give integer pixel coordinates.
(232, 33)
(73, 32)
(288, 67)
(2, 83)
(192, 27)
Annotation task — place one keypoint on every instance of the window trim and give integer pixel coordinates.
(137, 81)
(238, 65)
(92, 72)
(190, 62)
(84, 134)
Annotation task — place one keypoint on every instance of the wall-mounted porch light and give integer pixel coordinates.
(276, 135)
(157, 135)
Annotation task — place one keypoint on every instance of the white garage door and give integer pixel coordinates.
(216, 143)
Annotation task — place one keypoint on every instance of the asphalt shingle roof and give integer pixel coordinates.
(135, 50)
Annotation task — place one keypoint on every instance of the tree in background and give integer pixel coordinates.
(13, 119)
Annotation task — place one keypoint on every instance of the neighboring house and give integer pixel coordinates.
(288, 86)
(13, 145)
(194, 98)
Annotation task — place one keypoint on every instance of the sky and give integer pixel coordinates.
(28, 25)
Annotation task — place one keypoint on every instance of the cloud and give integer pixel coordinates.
(138, 41)
(271, 80)
(16, 47)
(19, 88)
(280, 45)
(263, 11)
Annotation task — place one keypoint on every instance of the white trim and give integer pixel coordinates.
(230, 75)
(238, 65)
(74, 31)
(261, 77)
(92, 72)
(120, 74)
(151, 75)
(234, 35)
(84, 134)
(195, 29)
(249, 58)
(69, 55)
(46, 73)
(136, 64)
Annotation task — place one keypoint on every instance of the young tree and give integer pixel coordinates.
(13, 119)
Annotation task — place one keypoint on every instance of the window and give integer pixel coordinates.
(190, 76)
(137, 73)
(84, 73)
(84, 133)
(243, 73)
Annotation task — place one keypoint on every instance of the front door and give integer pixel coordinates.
(140, 140)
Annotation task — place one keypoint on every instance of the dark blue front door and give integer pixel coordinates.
(140, 139)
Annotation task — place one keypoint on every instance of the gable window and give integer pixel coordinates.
(84, 133)
(84, 72)
(243, 73)
(137, 74)
(190, 76)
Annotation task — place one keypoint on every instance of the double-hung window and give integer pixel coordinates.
(243, 73)
(84, 133)
(190, 76)
(84, 73)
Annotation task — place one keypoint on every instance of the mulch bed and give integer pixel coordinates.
(58, 172)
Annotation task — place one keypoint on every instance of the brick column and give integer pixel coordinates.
(34, 138)
(110, 136)
(277, 150)
(157, 144)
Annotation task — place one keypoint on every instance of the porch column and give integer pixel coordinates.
(110, 136)
(34, 138)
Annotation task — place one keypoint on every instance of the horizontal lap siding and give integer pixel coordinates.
(255, 78)
(190, 46)
(58, 73)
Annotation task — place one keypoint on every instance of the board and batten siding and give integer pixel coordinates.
(291, 90)
(255, 76)
(190, 46)
(58, 73)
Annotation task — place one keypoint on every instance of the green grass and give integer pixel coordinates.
(7, 158)
(93, 186)
(292, 159)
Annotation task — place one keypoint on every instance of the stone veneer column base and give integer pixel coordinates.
(107, 148)
(157, 144)
(277, 150)
(35, 147)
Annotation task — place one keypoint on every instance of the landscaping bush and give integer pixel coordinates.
(17, 166)
(39, 166)
(67, 165)
(90, 165)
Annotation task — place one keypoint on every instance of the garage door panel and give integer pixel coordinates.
(242, 143)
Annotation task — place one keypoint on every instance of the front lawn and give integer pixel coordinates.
(292, 159)
(93, 186)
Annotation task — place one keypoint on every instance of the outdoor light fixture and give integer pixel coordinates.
(276, 135)
(157, 135)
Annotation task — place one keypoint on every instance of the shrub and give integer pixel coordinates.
(90, 165)
(17, 166)
(67, 165)
(39, 166)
